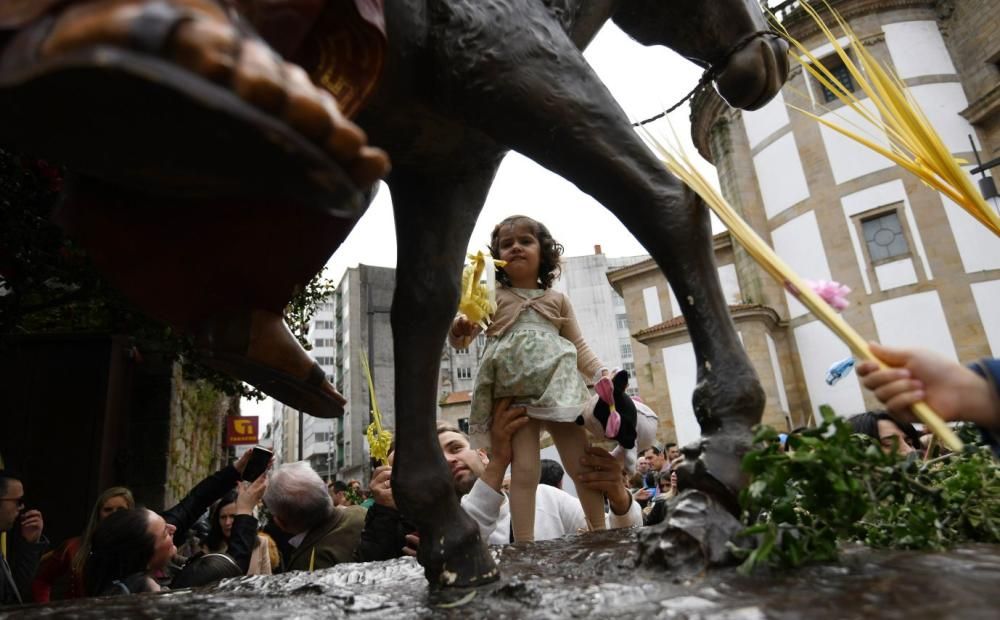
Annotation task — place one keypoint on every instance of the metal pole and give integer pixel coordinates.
(371, 348)
(987, 186)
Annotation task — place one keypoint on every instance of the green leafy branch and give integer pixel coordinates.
(833, 486)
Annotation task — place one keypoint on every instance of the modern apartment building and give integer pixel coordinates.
(354, 320)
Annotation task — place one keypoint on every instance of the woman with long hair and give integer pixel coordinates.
(131, 549)
(127, 549)
(69, 558)
(264, 560)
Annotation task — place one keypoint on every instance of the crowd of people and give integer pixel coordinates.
(534, 347)
(310, 524)
(127, 549)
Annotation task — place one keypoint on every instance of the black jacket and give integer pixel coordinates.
(187, 512)
(22, 559)
(204, 494)
(989, 369)
(242, 538)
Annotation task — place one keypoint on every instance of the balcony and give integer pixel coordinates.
(781, 8)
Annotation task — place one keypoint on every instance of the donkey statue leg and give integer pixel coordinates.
(532, 91)
(435, 212)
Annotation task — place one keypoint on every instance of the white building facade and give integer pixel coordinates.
(923, 272)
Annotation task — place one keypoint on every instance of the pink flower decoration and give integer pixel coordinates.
(833, 293)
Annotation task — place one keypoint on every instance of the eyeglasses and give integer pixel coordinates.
(19, 500)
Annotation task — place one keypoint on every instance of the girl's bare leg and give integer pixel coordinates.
(571, 442)
(524, 472)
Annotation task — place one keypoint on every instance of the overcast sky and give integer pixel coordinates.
(644, 80)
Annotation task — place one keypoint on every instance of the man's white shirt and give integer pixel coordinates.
(557, 513)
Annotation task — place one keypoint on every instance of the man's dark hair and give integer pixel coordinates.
(339, 486)
(445, 427)
(867, 424)
(652, 449)
(667, 446)
(5, 476)
(551, 473)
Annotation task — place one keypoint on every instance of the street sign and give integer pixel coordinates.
(241, 430)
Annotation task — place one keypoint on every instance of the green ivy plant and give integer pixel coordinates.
(354, 496)
(834, 486)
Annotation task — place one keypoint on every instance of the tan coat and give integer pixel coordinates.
(331, 542)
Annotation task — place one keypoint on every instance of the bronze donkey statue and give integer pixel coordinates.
(467, 80)
(463, 82)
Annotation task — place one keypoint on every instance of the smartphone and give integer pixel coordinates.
(257, 464)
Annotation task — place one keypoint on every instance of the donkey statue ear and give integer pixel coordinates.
(620, 381)
(626, 409)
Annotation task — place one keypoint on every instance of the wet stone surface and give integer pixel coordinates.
(592, 576)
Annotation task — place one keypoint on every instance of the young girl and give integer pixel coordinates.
(535, 354)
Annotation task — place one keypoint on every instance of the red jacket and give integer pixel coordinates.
(55, 564)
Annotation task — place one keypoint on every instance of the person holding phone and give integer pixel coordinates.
(260, 461)
(24, 550)
(226, 519)
(131, 550)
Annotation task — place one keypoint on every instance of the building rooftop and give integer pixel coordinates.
(678, 321)
(720, 241)
(456, 398)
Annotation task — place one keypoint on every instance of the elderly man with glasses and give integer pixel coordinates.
(18, 568)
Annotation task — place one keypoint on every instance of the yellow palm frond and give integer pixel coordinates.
(680, 165)
(914, 144)
(379, 439)
(479, 299)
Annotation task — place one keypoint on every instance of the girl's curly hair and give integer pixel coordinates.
(550, 250)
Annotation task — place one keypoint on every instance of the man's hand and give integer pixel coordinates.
(31, 525)
(507, 420)
(605, 476)
(950, 389)
(241, 464)
(412, 544)
(381, 487)
(641, 495)
(250, 494)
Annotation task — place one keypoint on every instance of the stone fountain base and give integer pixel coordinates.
(591, 576)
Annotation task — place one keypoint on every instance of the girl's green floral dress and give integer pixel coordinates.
(533, 364)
